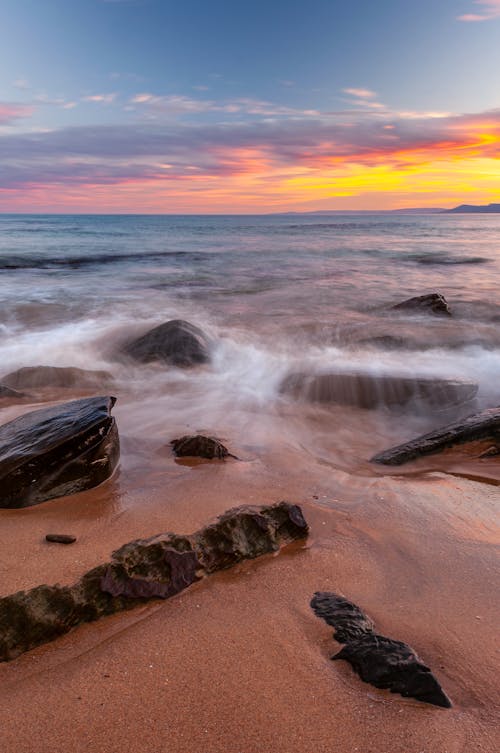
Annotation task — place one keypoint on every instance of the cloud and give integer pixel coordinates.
(10, 112)
(248, 164)
(490, 10)
(175, 104)
(106, 99)
(360, 93)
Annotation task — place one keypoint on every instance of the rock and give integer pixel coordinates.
(8, 392)
(176, 342)
(483, 425)
(380, 661)
(32, 377)
(158, 567)
(347, 618)
(393, 665)
(200, 446)
(379, 390)
(60, 538)
(57, 451)
(432, 303)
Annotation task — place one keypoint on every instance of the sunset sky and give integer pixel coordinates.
(211, 106)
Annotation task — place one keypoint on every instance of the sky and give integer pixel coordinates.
(210, 106)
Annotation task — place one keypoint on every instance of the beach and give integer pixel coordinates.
(238, 662)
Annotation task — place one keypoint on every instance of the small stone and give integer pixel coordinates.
(60, 538)
(200, 446)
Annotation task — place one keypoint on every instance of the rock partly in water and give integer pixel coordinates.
(383, 662)
(366, 390)
(177, 342)
(57, 451)
(60, 538)
(483, 425)
(158, 567)
(199, 446)
(31, 377)
(432, 303)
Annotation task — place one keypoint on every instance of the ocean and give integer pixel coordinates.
(413, 546)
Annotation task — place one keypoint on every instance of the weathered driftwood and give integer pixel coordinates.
(158, 567)
(483, 425)
(380, 661)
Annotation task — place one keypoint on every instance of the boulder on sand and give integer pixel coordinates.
(158, 567)
(431, 303)
(380, 661)
(31, 377)
(57, 451)
(483, 425)
(379, 390)
(177, 342)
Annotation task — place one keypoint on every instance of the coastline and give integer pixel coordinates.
(239, 662)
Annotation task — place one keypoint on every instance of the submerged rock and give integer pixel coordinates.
(6, 391)
(177, 342)
(380, 661)
(158, 567)
(57, 451)
(200, 446)
(56, 376)
(483, 425)
(379, 390)
(432, 303)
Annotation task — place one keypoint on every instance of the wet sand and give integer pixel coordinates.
(238, 663)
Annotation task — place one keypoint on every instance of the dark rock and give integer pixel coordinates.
(373, 391)
(380, 661)
(8, 392)
(483, 425)
(347, 618)
(60, 538)
(56, 376)
(200, 447)
(158, 567)
(177, 342)
(57, 451)
(393, 665)
(432, 303)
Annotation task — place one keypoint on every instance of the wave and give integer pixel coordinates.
(75, 262)
(443, 258)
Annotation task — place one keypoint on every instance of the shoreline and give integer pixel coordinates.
(417, 554)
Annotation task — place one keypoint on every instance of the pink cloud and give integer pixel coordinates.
(360, 93)
(490, 8)
(10, 112)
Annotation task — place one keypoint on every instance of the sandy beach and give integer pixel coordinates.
(238, 663)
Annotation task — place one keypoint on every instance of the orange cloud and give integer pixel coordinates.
(352, 160)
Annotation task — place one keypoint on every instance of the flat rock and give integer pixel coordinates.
(200, 446)
(57, 451)
(31, 377)
(431, 303)
(158, 567)
(483, 425)
(60, 538)
(176, 342)
(380, 661)
(378, 390)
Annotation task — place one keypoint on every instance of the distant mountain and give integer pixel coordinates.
(473, 209)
